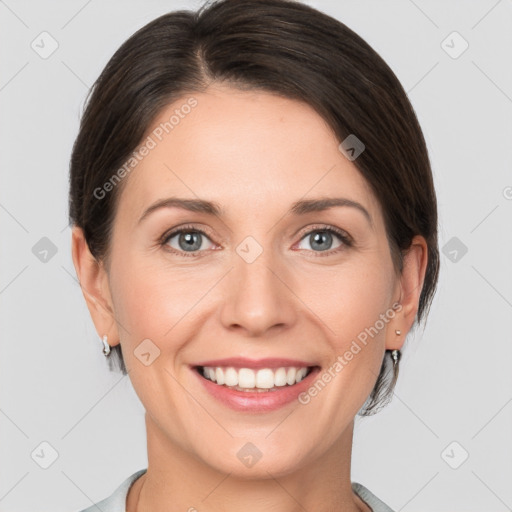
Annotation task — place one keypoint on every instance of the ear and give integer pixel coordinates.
(411, 283)
(93, 279)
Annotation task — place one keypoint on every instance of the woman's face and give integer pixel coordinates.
(260, 279)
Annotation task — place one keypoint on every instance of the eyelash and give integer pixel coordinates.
(342, 235)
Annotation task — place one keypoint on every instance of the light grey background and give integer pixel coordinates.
(455, 383)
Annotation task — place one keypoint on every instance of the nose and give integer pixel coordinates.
(258, 297)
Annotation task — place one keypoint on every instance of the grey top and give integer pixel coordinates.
(116, 502)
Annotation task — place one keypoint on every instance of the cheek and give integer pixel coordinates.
(349, 299)
(155, 303)
(150, 299)
(352, 313)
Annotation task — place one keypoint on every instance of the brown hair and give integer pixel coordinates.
(280, 46)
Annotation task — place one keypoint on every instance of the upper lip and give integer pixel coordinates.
(243, 362)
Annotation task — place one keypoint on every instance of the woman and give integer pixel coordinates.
(219, 151)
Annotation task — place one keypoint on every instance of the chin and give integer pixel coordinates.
(253, 459)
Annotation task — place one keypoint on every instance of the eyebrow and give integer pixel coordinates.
(301, 207)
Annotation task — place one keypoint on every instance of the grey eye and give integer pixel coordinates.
(321, 240)
(187, 240)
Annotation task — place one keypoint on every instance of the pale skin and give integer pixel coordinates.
(254, 154)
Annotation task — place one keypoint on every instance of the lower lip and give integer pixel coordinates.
(249, 401)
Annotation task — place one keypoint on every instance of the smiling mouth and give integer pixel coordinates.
(250, 380)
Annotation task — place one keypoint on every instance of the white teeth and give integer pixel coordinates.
(280, 377)
(264, 378)
(290, 376)
(210, 373)
(231, 377)
(301, 374)
(247, 378)
(219, 376)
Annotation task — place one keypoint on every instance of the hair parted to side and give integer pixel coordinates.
(283, 47)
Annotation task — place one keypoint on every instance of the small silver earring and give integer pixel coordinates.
(106, 346)
(395, 354)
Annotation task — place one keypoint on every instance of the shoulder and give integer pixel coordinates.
(369, 498)
(116, 502)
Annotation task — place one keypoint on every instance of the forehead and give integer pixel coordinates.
(242, 149)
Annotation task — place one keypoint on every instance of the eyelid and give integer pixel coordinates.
(344, 235)
(164, 239)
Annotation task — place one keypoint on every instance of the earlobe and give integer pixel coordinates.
(411, 284)
(93, 281)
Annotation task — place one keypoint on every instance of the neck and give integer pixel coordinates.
(177, 480)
